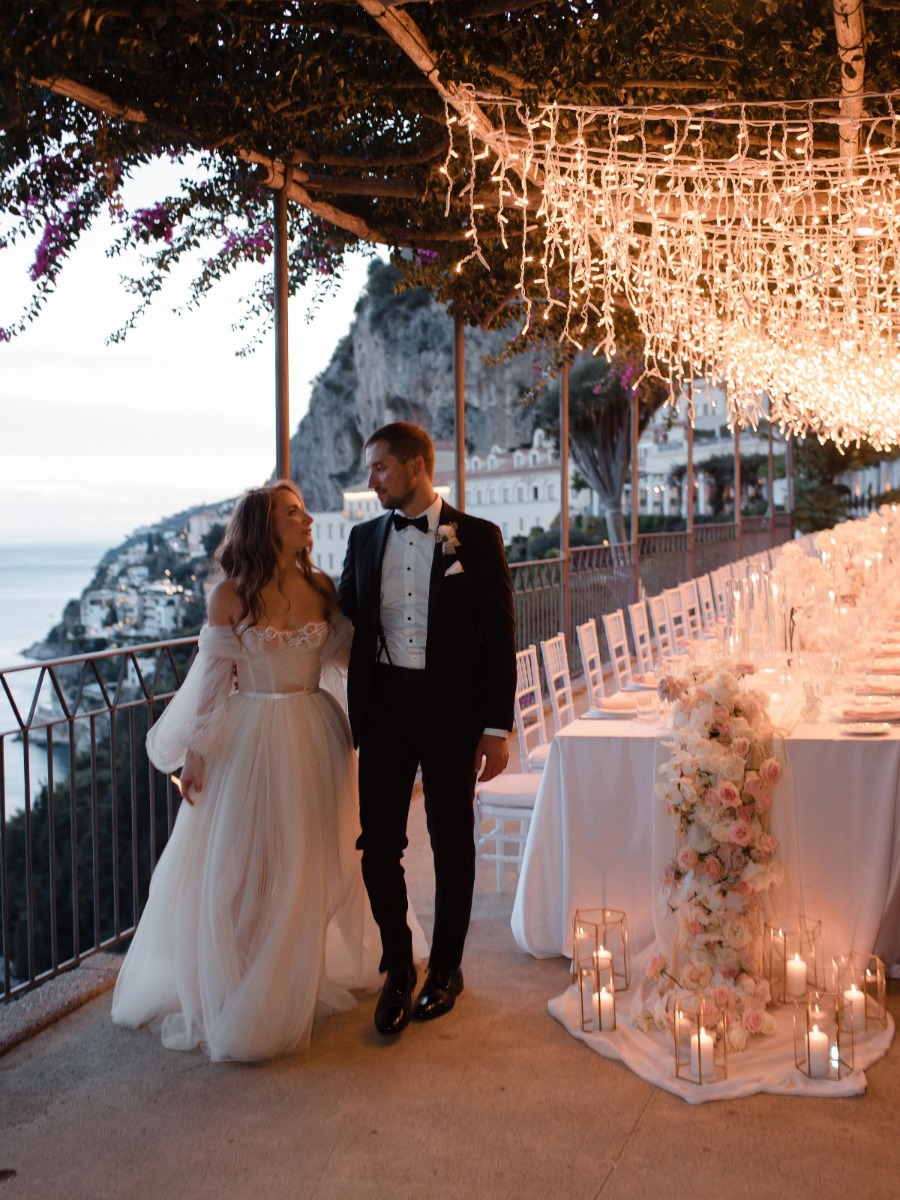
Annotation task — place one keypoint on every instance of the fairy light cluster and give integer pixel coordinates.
(751, 252)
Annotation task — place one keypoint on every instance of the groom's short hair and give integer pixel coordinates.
(405, 440)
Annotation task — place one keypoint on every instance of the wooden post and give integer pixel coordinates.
(690, 486)
(282, 376)
(737, 491)
(772, 538)
(459, 379)
(635, 499)
(564, 498)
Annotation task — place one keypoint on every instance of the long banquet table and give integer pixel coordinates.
(599, 836)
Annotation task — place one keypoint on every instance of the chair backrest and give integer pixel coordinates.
(529, 706)
(677, 616)
(559, 683)
(690, 599)
(617, 640)
(662, 628)
(589, 649)
(640, 632)
(707, 604)
(721, 578)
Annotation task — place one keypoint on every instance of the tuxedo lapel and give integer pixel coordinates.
(376, 558)
(439, 561)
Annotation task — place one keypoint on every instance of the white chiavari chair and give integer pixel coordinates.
(678, 623)
(721, 578)
(589, 649)
(643, 642)
(531, 730)
(559, 682)
(690, 599)
(662, 629)
(707, 603)
(619, 653)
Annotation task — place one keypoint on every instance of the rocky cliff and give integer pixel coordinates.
(396, 364)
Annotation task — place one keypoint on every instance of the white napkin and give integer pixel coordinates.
(620, 702)
(879, 712)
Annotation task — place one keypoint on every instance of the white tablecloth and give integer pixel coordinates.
(599, 837)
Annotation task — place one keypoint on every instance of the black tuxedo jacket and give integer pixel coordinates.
(470, 650)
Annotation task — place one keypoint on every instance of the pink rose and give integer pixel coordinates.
(768, 844)
(687, 858)
(770, 772)
(741, 746)
(753, 1020)
(752, 783)
(693, 928)
(729, 794)
(739, 832)
(656, 966)
(732, 857)
(723, 998)
(719, 712)
(712, 869)
(763, 800)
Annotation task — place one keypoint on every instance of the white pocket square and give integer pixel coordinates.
(456, 569)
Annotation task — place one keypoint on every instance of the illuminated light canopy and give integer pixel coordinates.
(753, 252)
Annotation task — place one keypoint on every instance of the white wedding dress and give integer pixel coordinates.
(257, 919)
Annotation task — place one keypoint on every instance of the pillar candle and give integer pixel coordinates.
(817, 1053)
(855, 1013)
(795, 976)
(702, 1054)
(607, 1010)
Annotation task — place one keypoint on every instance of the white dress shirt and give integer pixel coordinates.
(405, 584)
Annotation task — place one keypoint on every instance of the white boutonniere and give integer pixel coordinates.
(446, 538)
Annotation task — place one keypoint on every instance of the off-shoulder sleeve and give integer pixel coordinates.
(193, 718)
(335, 658)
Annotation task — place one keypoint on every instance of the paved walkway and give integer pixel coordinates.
(494, 1100)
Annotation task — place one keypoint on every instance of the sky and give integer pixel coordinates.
(100, 439)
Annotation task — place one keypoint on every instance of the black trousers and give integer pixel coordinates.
(395, 739)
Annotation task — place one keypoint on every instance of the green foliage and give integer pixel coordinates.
(222, 86)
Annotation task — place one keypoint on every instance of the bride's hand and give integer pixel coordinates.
(191, 776)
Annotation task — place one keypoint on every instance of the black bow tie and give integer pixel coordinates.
(420, 523)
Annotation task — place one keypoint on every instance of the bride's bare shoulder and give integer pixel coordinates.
(224, 605)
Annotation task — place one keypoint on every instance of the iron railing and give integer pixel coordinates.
(84, 815)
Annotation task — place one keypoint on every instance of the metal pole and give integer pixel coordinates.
(459, 377)
(737, 491)
(690, 485)
(282, 375)
(564, 500)
(635, 500)
(772, 538)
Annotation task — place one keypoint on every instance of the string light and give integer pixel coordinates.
(751, 252)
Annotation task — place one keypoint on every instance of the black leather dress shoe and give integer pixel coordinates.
(438, 994)
(395, 1002)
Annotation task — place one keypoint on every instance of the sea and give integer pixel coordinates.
(36, 583)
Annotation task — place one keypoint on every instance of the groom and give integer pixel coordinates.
(431, 684)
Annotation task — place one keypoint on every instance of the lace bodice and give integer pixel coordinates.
(281, 661)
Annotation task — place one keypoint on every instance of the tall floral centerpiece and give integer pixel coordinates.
(716, 784)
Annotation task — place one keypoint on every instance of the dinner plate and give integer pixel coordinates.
(866, 728)
(609, 714)
(638, 685)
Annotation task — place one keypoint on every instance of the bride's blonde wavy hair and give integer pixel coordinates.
(250, 552)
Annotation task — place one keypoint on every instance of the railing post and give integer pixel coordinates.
(737, 491)
(635, 499)
(690, 485)
(564, 499)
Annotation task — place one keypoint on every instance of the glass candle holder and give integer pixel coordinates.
(600, 941)
(700, 1035)
(860, 980)
(597, 999)
(792, 956)
(823, 1037)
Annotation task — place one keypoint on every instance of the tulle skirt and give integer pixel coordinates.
(257, 920)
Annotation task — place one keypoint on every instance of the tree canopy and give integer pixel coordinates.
(347, 101)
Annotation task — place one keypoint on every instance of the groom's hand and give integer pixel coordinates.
(494, 751)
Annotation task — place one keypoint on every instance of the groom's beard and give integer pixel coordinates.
(396, 500)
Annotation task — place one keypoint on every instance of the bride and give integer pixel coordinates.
(257, 920)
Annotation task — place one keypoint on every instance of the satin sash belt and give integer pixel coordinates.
(278, 695)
